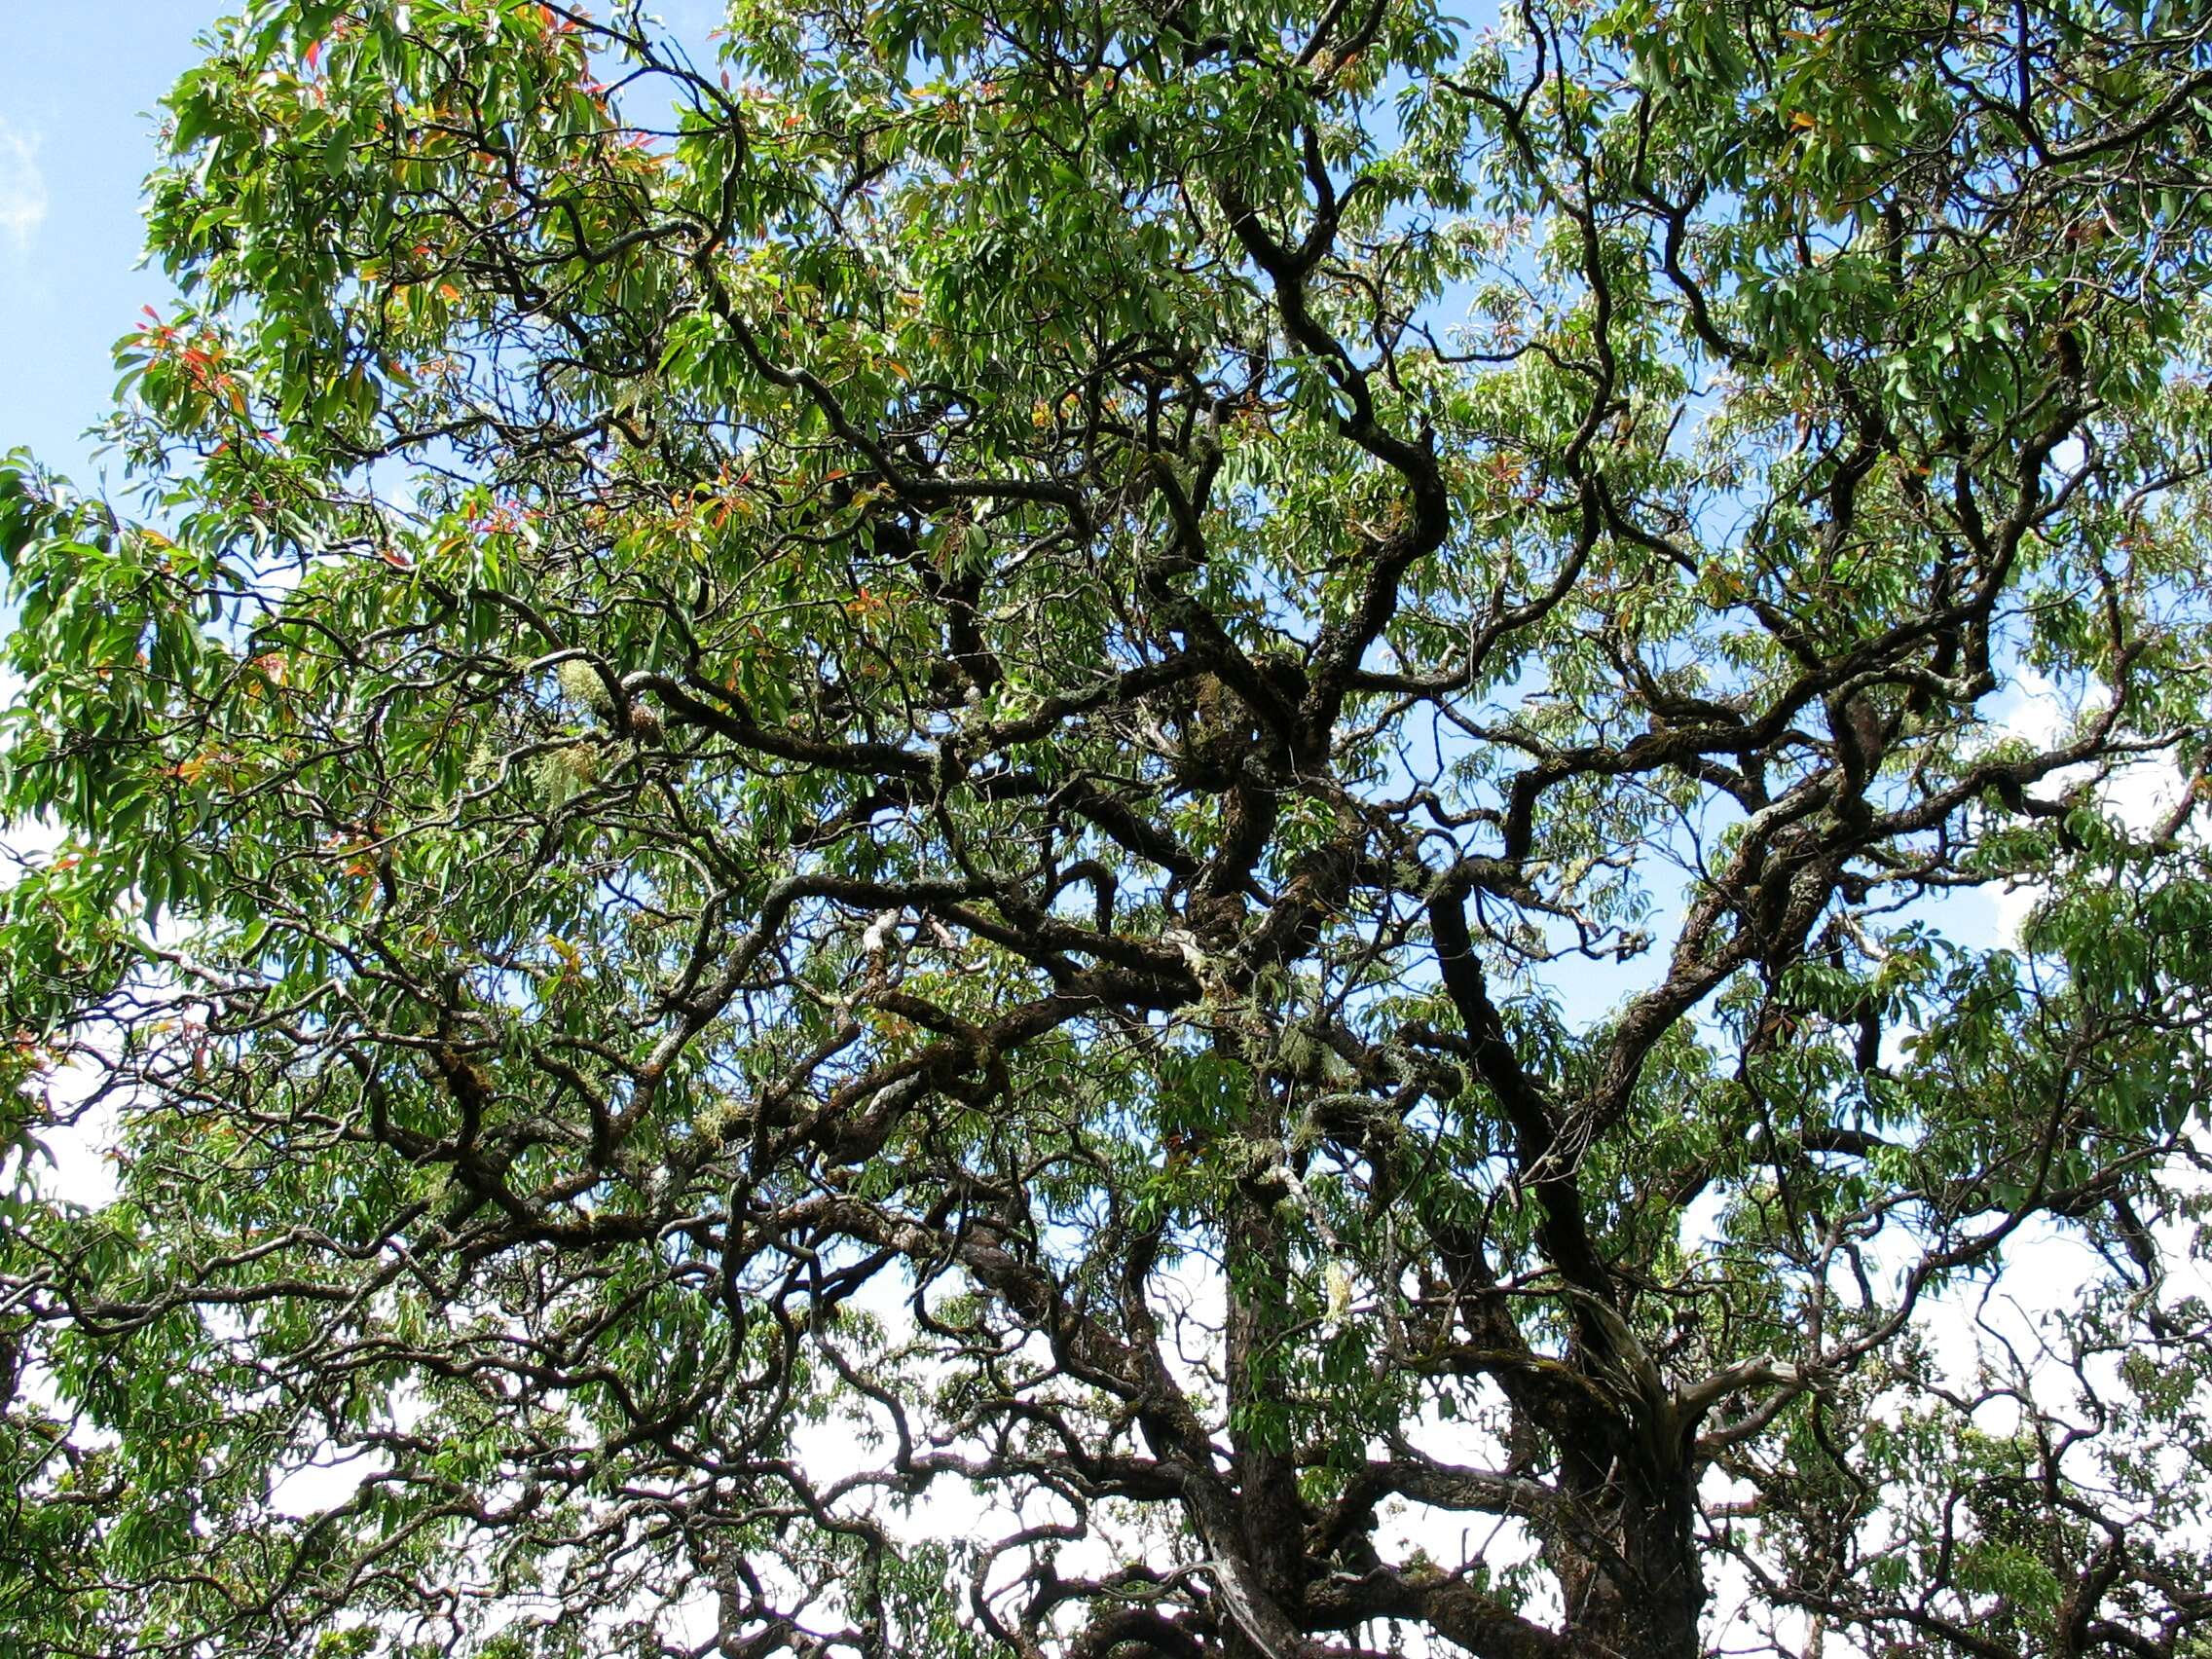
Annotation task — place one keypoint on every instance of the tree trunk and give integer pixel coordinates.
(1634, 1589)
(1273, 1520)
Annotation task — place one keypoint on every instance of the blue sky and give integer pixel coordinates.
(78, 80)
(80, 83)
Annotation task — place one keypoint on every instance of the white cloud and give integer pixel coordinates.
(22, 187)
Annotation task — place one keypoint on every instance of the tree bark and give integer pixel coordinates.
(1633, 1588)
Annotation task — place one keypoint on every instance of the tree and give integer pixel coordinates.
(1149, 830)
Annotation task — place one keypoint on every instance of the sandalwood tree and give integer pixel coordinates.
(1172, 827)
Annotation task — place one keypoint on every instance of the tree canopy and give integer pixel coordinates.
(1168, 828)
